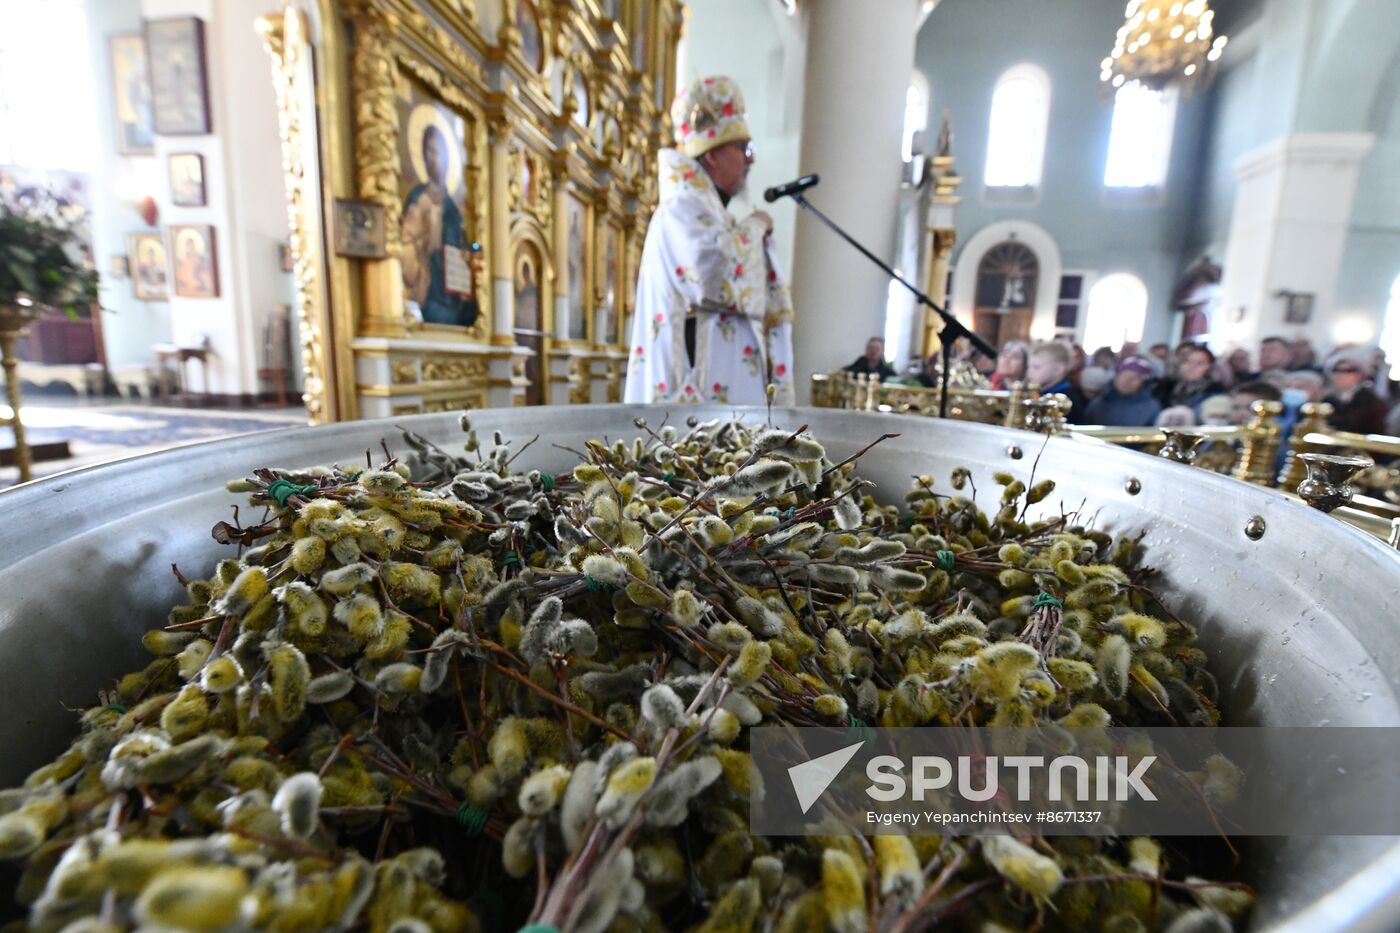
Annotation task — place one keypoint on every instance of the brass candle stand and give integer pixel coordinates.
(14, 320)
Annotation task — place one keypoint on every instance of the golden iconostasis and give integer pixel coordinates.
(469, 185)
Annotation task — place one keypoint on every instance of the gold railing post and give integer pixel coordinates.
(1015, 413)
(1313, 420)
(1261, 439)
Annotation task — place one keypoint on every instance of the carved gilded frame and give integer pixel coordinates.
(411, 67)
(534, 85)
(586, 198)
(608, 222)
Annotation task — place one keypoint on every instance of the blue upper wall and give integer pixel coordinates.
(963, 49)
(1293, 66)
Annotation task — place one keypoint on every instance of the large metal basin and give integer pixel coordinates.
(1300, 624)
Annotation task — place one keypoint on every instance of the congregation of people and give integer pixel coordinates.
(1185, 386)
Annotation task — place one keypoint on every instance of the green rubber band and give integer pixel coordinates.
(1045, 599)
(908, 520)
(597, 586)
(282, 489)
(547, 481)
(789, 513)
(668, 477)
(472, 819)
(859, 729)
(510, 560)
(116, 708)
(539, 928)
(946, 560)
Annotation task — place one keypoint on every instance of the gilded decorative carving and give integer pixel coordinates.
(374, 73)
(458, 403)
(944, 239)
(443, 43)
(438, 48)
(449, 369)
(284, 40)
(531, 185)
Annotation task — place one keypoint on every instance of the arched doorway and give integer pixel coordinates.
(1007, 279)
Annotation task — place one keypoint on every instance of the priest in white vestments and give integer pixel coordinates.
(714, 315)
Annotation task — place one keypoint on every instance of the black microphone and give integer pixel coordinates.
(792, 187)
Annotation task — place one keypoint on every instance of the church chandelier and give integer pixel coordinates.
(1162, 43)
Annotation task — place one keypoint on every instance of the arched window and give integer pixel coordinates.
(1390, 330)
(915, 112)
(1117, 311)
(1016, 141)
(1140, 141)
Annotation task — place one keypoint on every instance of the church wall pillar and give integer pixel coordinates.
(859, 59)
(503, 294)
(1288, 231)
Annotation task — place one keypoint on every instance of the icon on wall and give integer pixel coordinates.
(131, 92)
(1298, 307)
(150, 276)
(179, 76)
(187, 180)
(196, 267)
(359, 229)
(435, 226)
(527, 21)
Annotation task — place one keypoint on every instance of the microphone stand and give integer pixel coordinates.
(953, 329)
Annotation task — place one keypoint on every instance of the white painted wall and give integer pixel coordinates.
(129, 326)
(246, 200)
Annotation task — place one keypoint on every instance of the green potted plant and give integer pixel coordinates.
(44, 261)
(44, 264)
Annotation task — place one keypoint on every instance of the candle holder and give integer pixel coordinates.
(1180, 446)
(1327, 484)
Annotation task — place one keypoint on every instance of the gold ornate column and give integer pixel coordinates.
(287, 43)
(941, 235)
(498, 130)
(377, 170)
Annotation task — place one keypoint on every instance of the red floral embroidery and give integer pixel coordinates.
(772, 276)
(748, 351)
(718, 388)
(739, 271)
(661, 387)
(711, 134)
(688, 176)
(690, 390)
(709, 80)
(660, 317)
(745, 240)
(685, 127)
(780, 369)
(728, 109)
(680, 271)
(639, 351)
